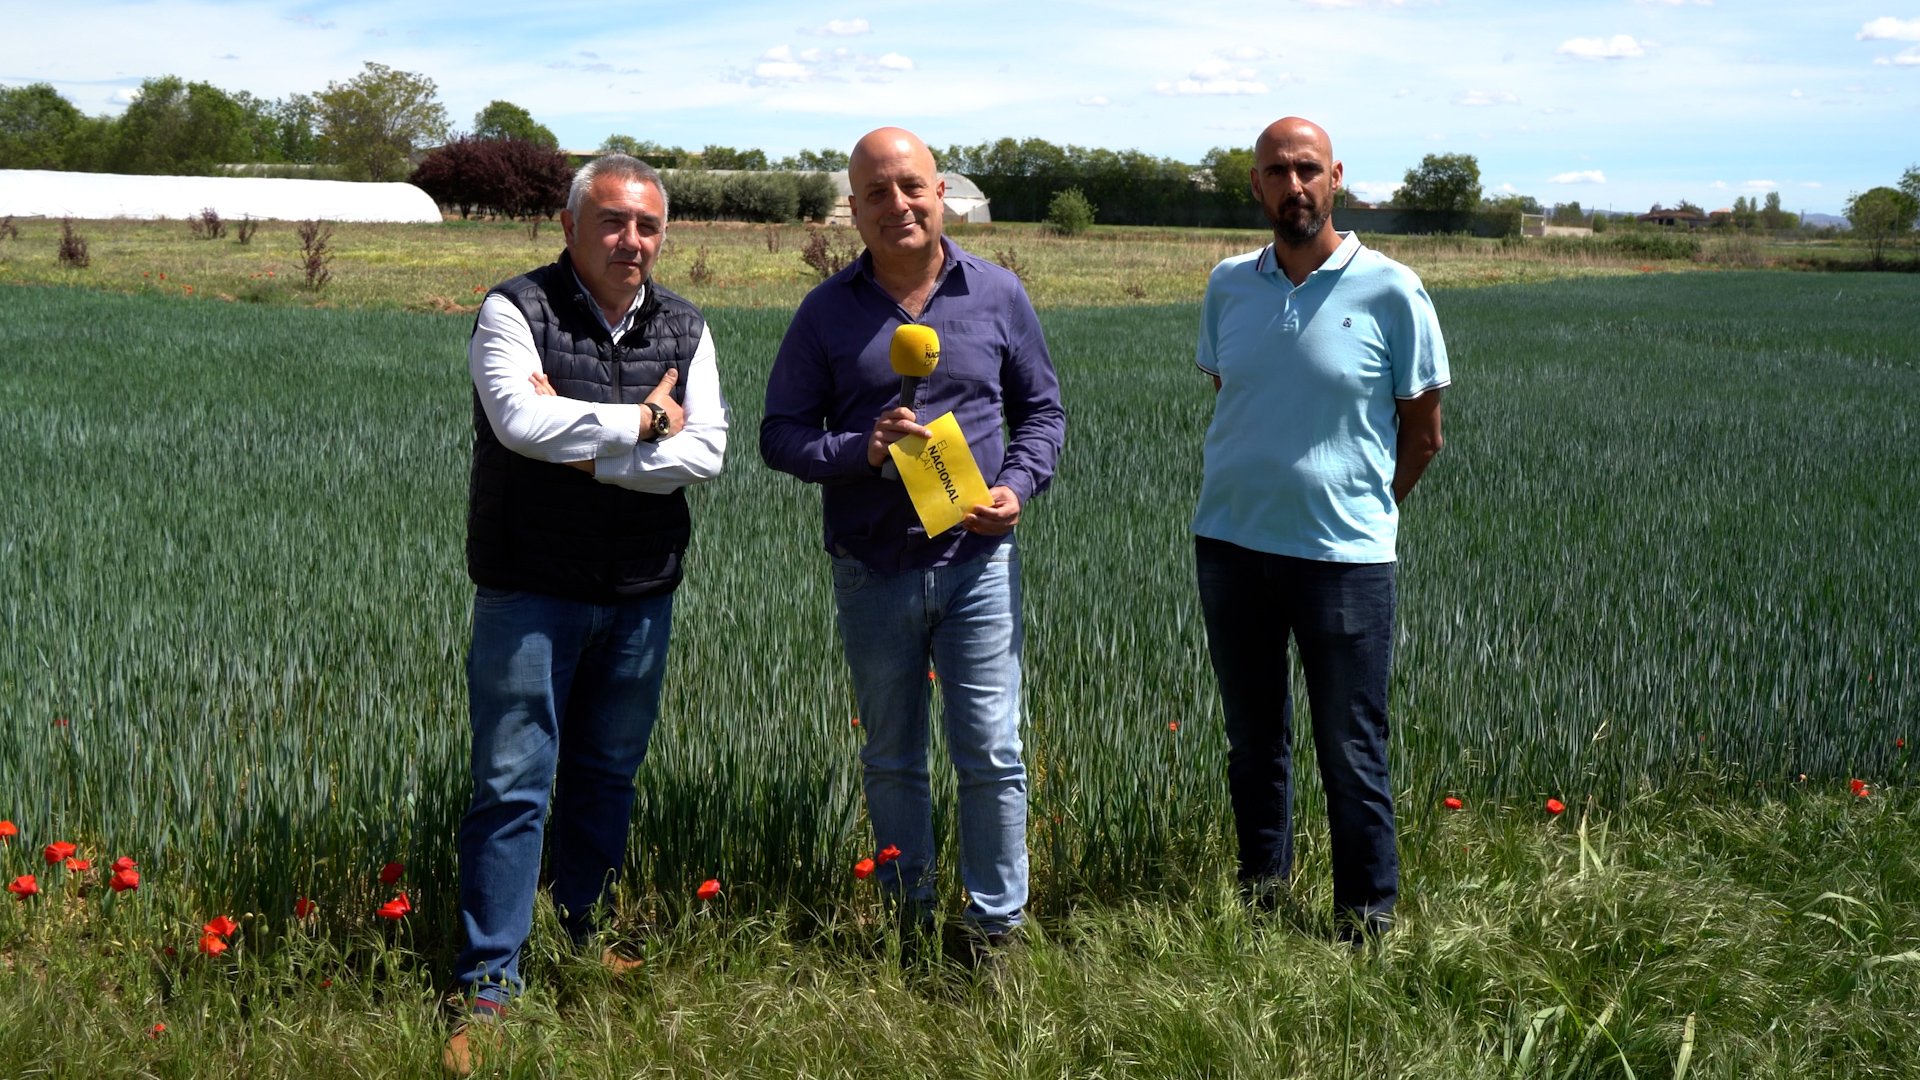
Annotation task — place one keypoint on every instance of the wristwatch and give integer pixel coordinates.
(661, 426)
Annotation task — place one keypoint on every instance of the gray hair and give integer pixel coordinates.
(620, 167)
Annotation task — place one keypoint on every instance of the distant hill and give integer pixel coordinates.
(1821, 221)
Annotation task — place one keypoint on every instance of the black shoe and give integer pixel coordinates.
(1358, 931)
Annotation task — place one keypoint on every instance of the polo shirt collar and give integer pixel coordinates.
(1342, 255)
(639, 297)
(949, 261)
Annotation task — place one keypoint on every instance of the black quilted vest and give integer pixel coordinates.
(540, 527)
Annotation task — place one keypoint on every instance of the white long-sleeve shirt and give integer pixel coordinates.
(502, 360)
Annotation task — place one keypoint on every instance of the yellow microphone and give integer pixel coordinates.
(914, 353)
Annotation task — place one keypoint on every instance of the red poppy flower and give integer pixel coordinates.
(856, 721)
(397, 908)
(324, 983)
(79, 866)
(123, 863)
(304, 907)
(8, 830)
(392, 872)
(1860, 788)
(708, 889)
(863, 869)
(169, 950)
(1899, 743)
(212, 945)
(1555, 806)
(156, 1031)
(23, 886)
(929, 676)
(58, 852)
(888, 854)
(220, 926)
(1452, 802)
(59, 721)
(1173, 725)
(124, 880)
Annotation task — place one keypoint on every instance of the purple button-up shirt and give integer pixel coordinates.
(832, 379)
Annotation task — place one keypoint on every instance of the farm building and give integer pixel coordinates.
(965, 201)
(39, 193)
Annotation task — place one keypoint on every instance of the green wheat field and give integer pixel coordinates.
(1664, 572)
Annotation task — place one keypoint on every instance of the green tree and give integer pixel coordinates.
(654, 154)
(726, 157)
(1441, 182)
(372, 124)
(1910, 182)
(505, 120)
(1569, 213)
(181, 127)
(1774, 218)
(823, 160)
(1231, 169)
(1070, 214)
(36, 124)
(1879, 215)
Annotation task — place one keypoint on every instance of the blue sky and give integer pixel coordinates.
(1615, 103)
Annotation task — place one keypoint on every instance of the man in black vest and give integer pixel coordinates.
(596, 401)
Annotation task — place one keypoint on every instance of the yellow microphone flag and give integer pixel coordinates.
(915, 350)
(941, 476)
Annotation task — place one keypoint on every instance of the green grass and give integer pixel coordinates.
(1659, 573)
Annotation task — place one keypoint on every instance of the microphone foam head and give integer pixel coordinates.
(915, 350)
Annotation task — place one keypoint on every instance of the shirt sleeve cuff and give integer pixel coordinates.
(619, 429)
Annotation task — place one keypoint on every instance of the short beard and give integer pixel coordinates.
(1287, 232)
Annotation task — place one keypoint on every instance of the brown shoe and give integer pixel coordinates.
(473, 1040)
(618, 965)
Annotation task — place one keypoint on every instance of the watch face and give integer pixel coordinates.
(661, 425)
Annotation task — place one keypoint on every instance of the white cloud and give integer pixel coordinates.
(893, 61)
(1586, 176)
(841, 28)
(1097, 101)
(1810, 184)
(1796, 93)
(1245, 53)
(1759, 185)
(126, 95)
(1887, 28)
(1509, 189)
(1719, 185)
(1617, 47)
(778, 64)
(1216, 77)
(1485, 97)
(1375, 190)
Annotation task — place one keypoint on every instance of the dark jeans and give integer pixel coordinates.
(1340, 616)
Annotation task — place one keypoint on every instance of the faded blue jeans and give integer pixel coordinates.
(1340, 616)
(962, 621)
(563, 696)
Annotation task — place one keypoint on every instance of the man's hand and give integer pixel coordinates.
(663, 397)
(543, 388)
(893, 425)
(998, 519)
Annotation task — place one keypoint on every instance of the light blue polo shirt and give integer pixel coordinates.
(1299, 458)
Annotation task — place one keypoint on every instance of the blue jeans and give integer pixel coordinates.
(563, 696)
(964, 622)
(1340, 616)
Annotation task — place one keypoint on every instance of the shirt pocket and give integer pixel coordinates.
(970, 349)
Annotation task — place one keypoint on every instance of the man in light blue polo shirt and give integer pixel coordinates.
(1328, 364)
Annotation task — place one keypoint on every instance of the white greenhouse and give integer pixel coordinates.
(964, 200)
(38, 193)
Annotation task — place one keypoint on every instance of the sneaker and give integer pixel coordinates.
(1359, 931)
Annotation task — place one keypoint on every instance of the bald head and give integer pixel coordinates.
(896, 198)
(883, 144)
(1292, 130)
(1295, 178)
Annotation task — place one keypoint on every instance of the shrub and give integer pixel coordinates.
(1070, 214)
(8, 230)
(1648, 244)
(700, 273)
(244, 231)
(73, 247)
(825, 257)
(314, 253)
(510, 178)
(771, 233)
(759, 197)
(816, 196)
(1010, 259)
(693, 195)
(206, 225)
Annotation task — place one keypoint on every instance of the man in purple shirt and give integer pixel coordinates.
(907, 600)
